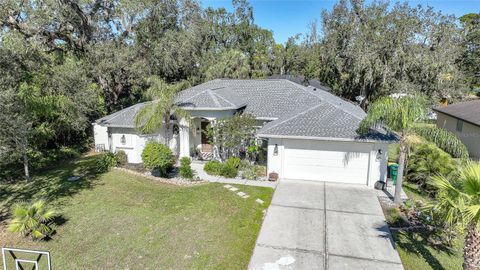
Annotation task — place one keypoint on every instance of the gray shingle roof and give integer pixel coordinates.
(468, 111)
(207, 99)
(296, 110)
(322, 121)
(264, 98)
(122, 118)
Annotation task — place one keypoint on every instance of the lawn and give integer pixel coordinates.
(418, 253)
(119, 221)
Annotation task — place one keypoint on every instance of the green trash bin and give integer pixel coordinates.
(394, 172)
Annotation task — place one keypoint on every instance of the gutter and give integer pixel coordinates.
(322, 138)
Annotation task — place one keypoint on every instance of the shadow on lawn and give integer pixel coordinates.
(416, 242)
(51, 185)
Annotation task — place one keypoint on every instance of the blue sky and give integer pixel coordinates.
(289, 17)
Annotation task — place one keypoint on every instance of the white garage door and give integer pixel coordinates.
(345, 162)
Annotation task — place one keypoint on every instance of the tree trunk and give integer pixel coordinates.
(25, 167)
(401, 166)
(471, 251)
(166, 119)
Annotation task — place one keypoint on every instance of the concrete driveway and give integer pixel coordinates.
(321, 225)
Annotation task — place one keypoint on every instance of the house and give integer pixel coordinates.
(463, 119)
(310, 133)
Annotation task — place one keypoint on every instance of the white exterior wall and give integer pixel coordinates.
(274, 162)
(470, 134)
(134, 142)
(100, 135)
(129, 147)
(363, 163)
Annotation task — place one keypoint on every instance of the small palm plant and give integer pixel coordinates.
(32, 219)
(458, 204)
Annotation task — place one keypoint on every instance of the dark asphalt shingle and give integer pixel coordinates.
(468, 111)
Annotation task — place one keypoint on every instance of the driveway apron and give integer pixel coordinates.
(322, 225)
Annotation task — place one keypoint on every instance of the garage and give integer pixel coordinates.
(345, 162)
(352, 162)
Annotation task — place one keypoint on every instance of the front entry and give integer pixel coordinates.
(207, 147)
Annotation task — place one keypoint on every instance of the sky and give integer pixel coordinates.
(289, 17)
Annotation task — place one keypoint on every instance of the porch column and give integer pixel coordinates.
(184, 134)
(216, 153)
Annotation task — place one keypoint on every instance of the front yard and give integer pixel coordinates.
(119, 221)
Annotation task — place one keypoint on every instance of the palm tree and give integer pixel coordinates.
(458, 204)
(32, 219)
(399, 115)
(156, 114)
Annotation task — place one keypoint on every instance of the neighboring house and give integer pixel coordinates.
(310, 133)
(463, 119)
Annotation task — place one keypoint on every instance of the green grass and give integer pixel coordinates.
(417, 253)
(119, 221)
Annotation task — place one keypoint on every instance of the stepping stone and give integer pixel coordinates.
(241, 194)
(246, 196)
(259, 201)
(227, 186)
(233, 189)
(73, 178)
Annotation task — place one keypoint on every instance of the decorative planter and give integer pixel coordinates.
(273, 176)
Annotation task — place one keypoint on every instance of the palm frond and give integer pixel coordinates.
(151, 117)
(443, 185)
(471, 179)
(472, 214)
(397, 114)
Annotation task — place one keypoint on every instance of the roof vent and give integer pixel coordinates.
(314, 89)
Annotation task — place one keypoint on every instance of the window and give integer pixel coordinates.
(123, 140)
(459, 125)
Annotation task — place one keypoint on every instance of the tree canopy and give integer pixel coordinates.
(65, 63)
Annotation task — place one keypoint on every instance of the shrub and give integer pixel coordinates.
(121, 157)
(427, 160)
(249, 173)
(445, 140)
(261, 170)
(254, 172)
(213, 167)
(32, 219)
(394, 217)
(185, 169)
(234, 162)
(106, 162)
(228, 171)
(157, 156)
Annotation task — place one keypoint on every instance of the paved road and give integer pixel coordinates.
(317, 225)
